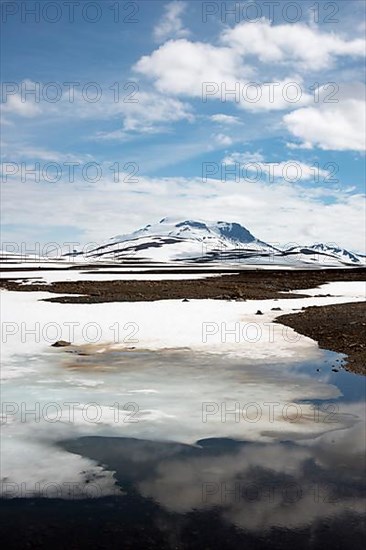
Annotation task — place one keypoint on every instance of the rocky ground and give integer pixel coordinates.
(340, 328)
(248, 285)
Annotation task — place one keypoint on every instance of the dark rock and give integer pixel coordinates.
(61, 344)
(276, 309)
(185, 300)
(259, 312)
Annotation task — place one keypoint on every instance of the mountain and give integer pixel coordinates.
(176, 239)
(323, 253)
(200, 241)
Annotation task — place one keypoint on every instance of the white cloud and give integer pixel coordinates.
(17, 106)
(225, 119)
(331, 126)
(293, 170)
(149, 112)
(153, 112)
(143, 112)
(21, 152)
(170, 25)
(150, 115)
(296, 43)
(181, 66)
(194, 69)
(222, 139)
(184, 67)
(290, 170)
(304, 145)
(277, 95)
(243, 158)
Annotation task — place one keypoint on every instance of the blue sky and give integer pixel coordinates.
(289, 170)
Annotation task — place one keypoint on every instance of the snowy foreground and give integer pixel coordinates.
(154, 370)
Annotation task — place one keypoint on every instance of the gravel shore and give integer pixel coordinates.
(339, 327)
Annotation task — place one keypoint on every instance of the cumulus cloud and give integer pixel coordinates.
(227, 69)
(181, 66)
(195, 69)
(297, 43)
(331, 126)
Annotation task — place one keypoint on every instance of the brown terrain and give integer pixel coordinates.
(247, 285)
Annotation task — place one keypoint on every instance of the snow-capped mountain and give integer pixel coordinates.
(326, 254)
(175, 239)
(184, 240)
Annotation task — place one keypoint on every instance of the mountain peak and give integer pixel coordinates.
(232, 231)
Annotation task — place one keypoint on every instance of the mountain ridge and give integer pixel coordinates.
(201, 241)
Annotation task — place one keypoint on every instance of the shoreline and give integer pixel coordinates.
(339, 327)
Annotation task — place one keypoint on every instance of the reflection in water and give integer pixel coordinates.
(255, 486)
(292, 484)
(188, 481)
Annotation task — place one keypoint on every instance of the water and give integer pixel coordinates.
(192, 450)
